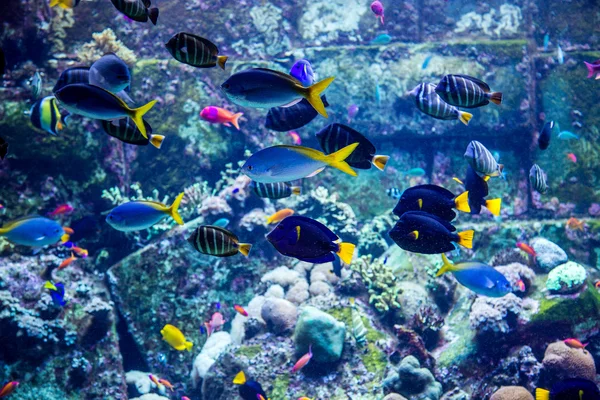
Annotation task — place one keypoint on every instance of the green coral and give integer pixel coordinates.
(280, 387)
(380, 282)
(569, 275)
(249, 351)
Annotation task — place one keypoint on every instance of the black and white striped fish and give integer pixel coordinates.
(72, 75)
(36, 85)
(394, 193)
(126, 131)
(359, 332)
(137, 10)
(428, 101)
(195, 51)
(277, 190)
(283, 119)
(537, 178)
(466, 91)
(482, 161)
(218, 242)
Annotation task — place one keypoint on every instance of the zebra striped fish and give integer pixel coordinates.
(482, 161)
(137, 10)
(428, 101)
(466, 91)
(359, 332)
(45, 115)
(283, 119)
(195, 51)
(537, 178)
(277, 190)
(36, 85)
(125, 130)
(72, 75)
(218, 242)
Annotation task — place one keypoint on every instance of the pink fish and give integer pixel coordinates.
(377, 9)
(216, 322)
(218, 115)
(572, 157)
(352, 111)
(593, 68)
(62, 209)
(521, 285)
(575, 343)
(303, 360)
(295, 137)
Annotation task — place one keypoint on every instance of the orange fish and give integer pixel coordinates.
(572, 157)
(304, 398)
(218, 115)
(303, 360)
(83, 253)
(575, 224)
(8, 388)
(240, 310)
(166, 383)
(279, 216)
(68, 261)
(526, 248)
(155, 380)
(521, 285)
(62, 209)
(295, 138)
(574, 343)
(68, 230)
(597, 285)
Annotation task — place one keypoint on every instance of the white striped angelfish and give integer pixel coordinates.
(466, 91)
(276, 190)
(218, 242)
(359, 332)
(45, 115)
(482, 161)
(430, 103)
(195, 51)
(537, 178)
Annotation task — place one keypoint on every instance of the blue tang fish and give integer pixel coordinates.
(302, 70)
(546, 41)
(288, 163)
(57, 292)
(309, 240)
(426, 62)
(110, 73)
(142, 214)
(33, 231)
(221, 223)
(477, 189)
(477, 276)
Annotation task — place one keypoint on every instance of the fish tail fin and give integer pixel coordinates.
(589, 66)
(313, 95)
(62, 4)
(496, 98)
(345, 252)
(461, 202)
(235, 120)
(465, 238)
(244, 248)
(464, 117)
(380, 161)
(221, 60)
(173, 210)
(54, 3)
(240, 378)
(297, 190)
(446, 267)
(136, 115)
(542, 394)
(156, 140)
(189, 345)
(269, 219)
(494, 206)
(153, 15)
(336, 160)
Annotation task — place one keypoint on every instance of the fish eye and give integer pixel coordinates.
(226, 86)
(249, 167)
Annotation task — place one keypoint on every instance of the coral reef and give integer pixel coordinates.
(562, 362)
(567, 278)
(105, 42)
(548, 254)
(512, 393)
(321, 331)
(380, 283)
(413, 381)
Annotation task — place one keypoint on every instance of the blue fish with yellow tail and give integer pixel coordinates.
(33, 231)
(288, 163)
(432, 199)
(57, 292)
(142, 214)
(477, 189)
(309, 240)
(478, 277)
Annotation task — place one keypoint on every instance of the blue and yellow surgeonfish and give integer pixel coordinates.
(45, 115)
(57, 292)
(142, 214)
(33, 231)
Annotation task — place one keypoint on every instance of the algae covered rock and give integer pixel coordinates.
(512, 393)
(279, 314)
(567, 278)
(413, 381)
(394, 396)
(563, 362)
(549, 254)
(322, 331)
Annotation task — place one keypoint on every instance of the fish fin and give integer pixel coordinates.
(414, 235)
(496, 98)
(345, 252)
(153, 15)
(64, 6)
(465, 238)
(315, 173)
(589, 66)
(464, 117)
(59, 126)
(597, 76)
(136, 115)
(542, 394)
(297, 190)
(494, 206)
(380, 161)
(54, 3)
(269, 219)
(291, 103)
(156, 140)
(313, 95)
(244, 248)
(240, 378)
(235, 120)
(462, 202)
(64, 238)
(221, 60)
(336, 160)
(446, 267)
(50, 286)
(486, 178)
(458, 180)
(227, 124)
(189, 345)
(172, 211)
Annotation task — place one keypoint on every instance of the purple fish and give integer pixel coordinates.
(377, 9)
(352, 111)
(303, 71)
(593, 68)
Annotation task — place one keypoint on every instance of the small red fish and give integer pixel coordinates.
(83, 253)
(597, 285)
(575, 343)
(218, 115)
(377, 9)
(155, 380)
(240, 310)
(575, 224)
(68, 230)
(303, 360)
(572, 157)
(8, 388)
(62, 209)
(527, 249)
(166, 383)
(521, 285)
(295, 137)
(67, 261)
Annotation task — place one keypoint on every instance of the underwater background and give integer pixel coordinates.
(387, 327)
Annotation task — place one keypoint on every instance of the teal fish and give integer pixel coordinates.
(560, 55)
(142, 214)
(477, 276)
(33, 231)
(415, 172)
(383, 38)
(36, 85)
(359, 332)
(546, 41)
(426, 62)
(566, 135)
(377, 94)
(221, 223)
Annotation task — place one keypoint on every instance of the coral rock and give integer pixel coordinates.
(279, 314)
(495, 314)
(413, 381)
(549, 254)
(512, 393)
(323, 332)
(216, 344)
(394, 396)
(562, 362)
(567, 278)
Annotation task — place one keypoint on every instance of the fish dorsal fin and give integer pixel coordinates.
(316, 224)
(315, 173)
(16, 222)
(305, 151)
(484, 86)
(240, 378)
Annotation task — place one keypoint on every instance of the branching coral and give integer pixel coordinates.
(380, 283)
(267, 19)
(505, 22)
(326, 20)
(105, 42)
(61, 20)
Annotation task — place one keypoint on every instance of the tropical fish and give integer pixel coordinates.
(110, 73)
(3, 148)
(426, 62)
(521, 285)
(481, 160)
(126, 131)
(570, 389)
(309, 240)
(221, 222)
(248, 389)
(478, 277)
(61, 209)
(8, 388)
(575, 343)
(57, 292)
(276, 190)
(45, 115)
(66, 4)
(466, 91)
(382, 38)
(185, 398)
(546, 41)
(279, 216)
(33, 231)
(295, 138)
(137, 10)
(477, 187)
(167, 384)
(71, 76)
(575, 224)
(434, 200)
(266, 88)
(335, 137)
(97, 103)
(195, 51)
(593, 68)
(421, 232)
(378, 10)
(597, 285)
(415, 172)
(359, 332)
(302, 70)
(218, 242)
(67, 262)
(142, 214)
(283, 119)
(537, 178)
(560, 55)
(287, 163)
(394, 193)
(352, 111)
(377, 94)
(545, 135)
(526, 248)
(301, 363)
(216, 322)
(240, 310)
(174, 337)
(572, 157)
(218, 115)
(155, 380)
(566, 135)
(430, 103)
(83, 253)
(36, 85)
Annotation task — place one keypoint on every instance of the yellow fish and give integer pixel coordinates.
(172, 335)
(279, 216)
